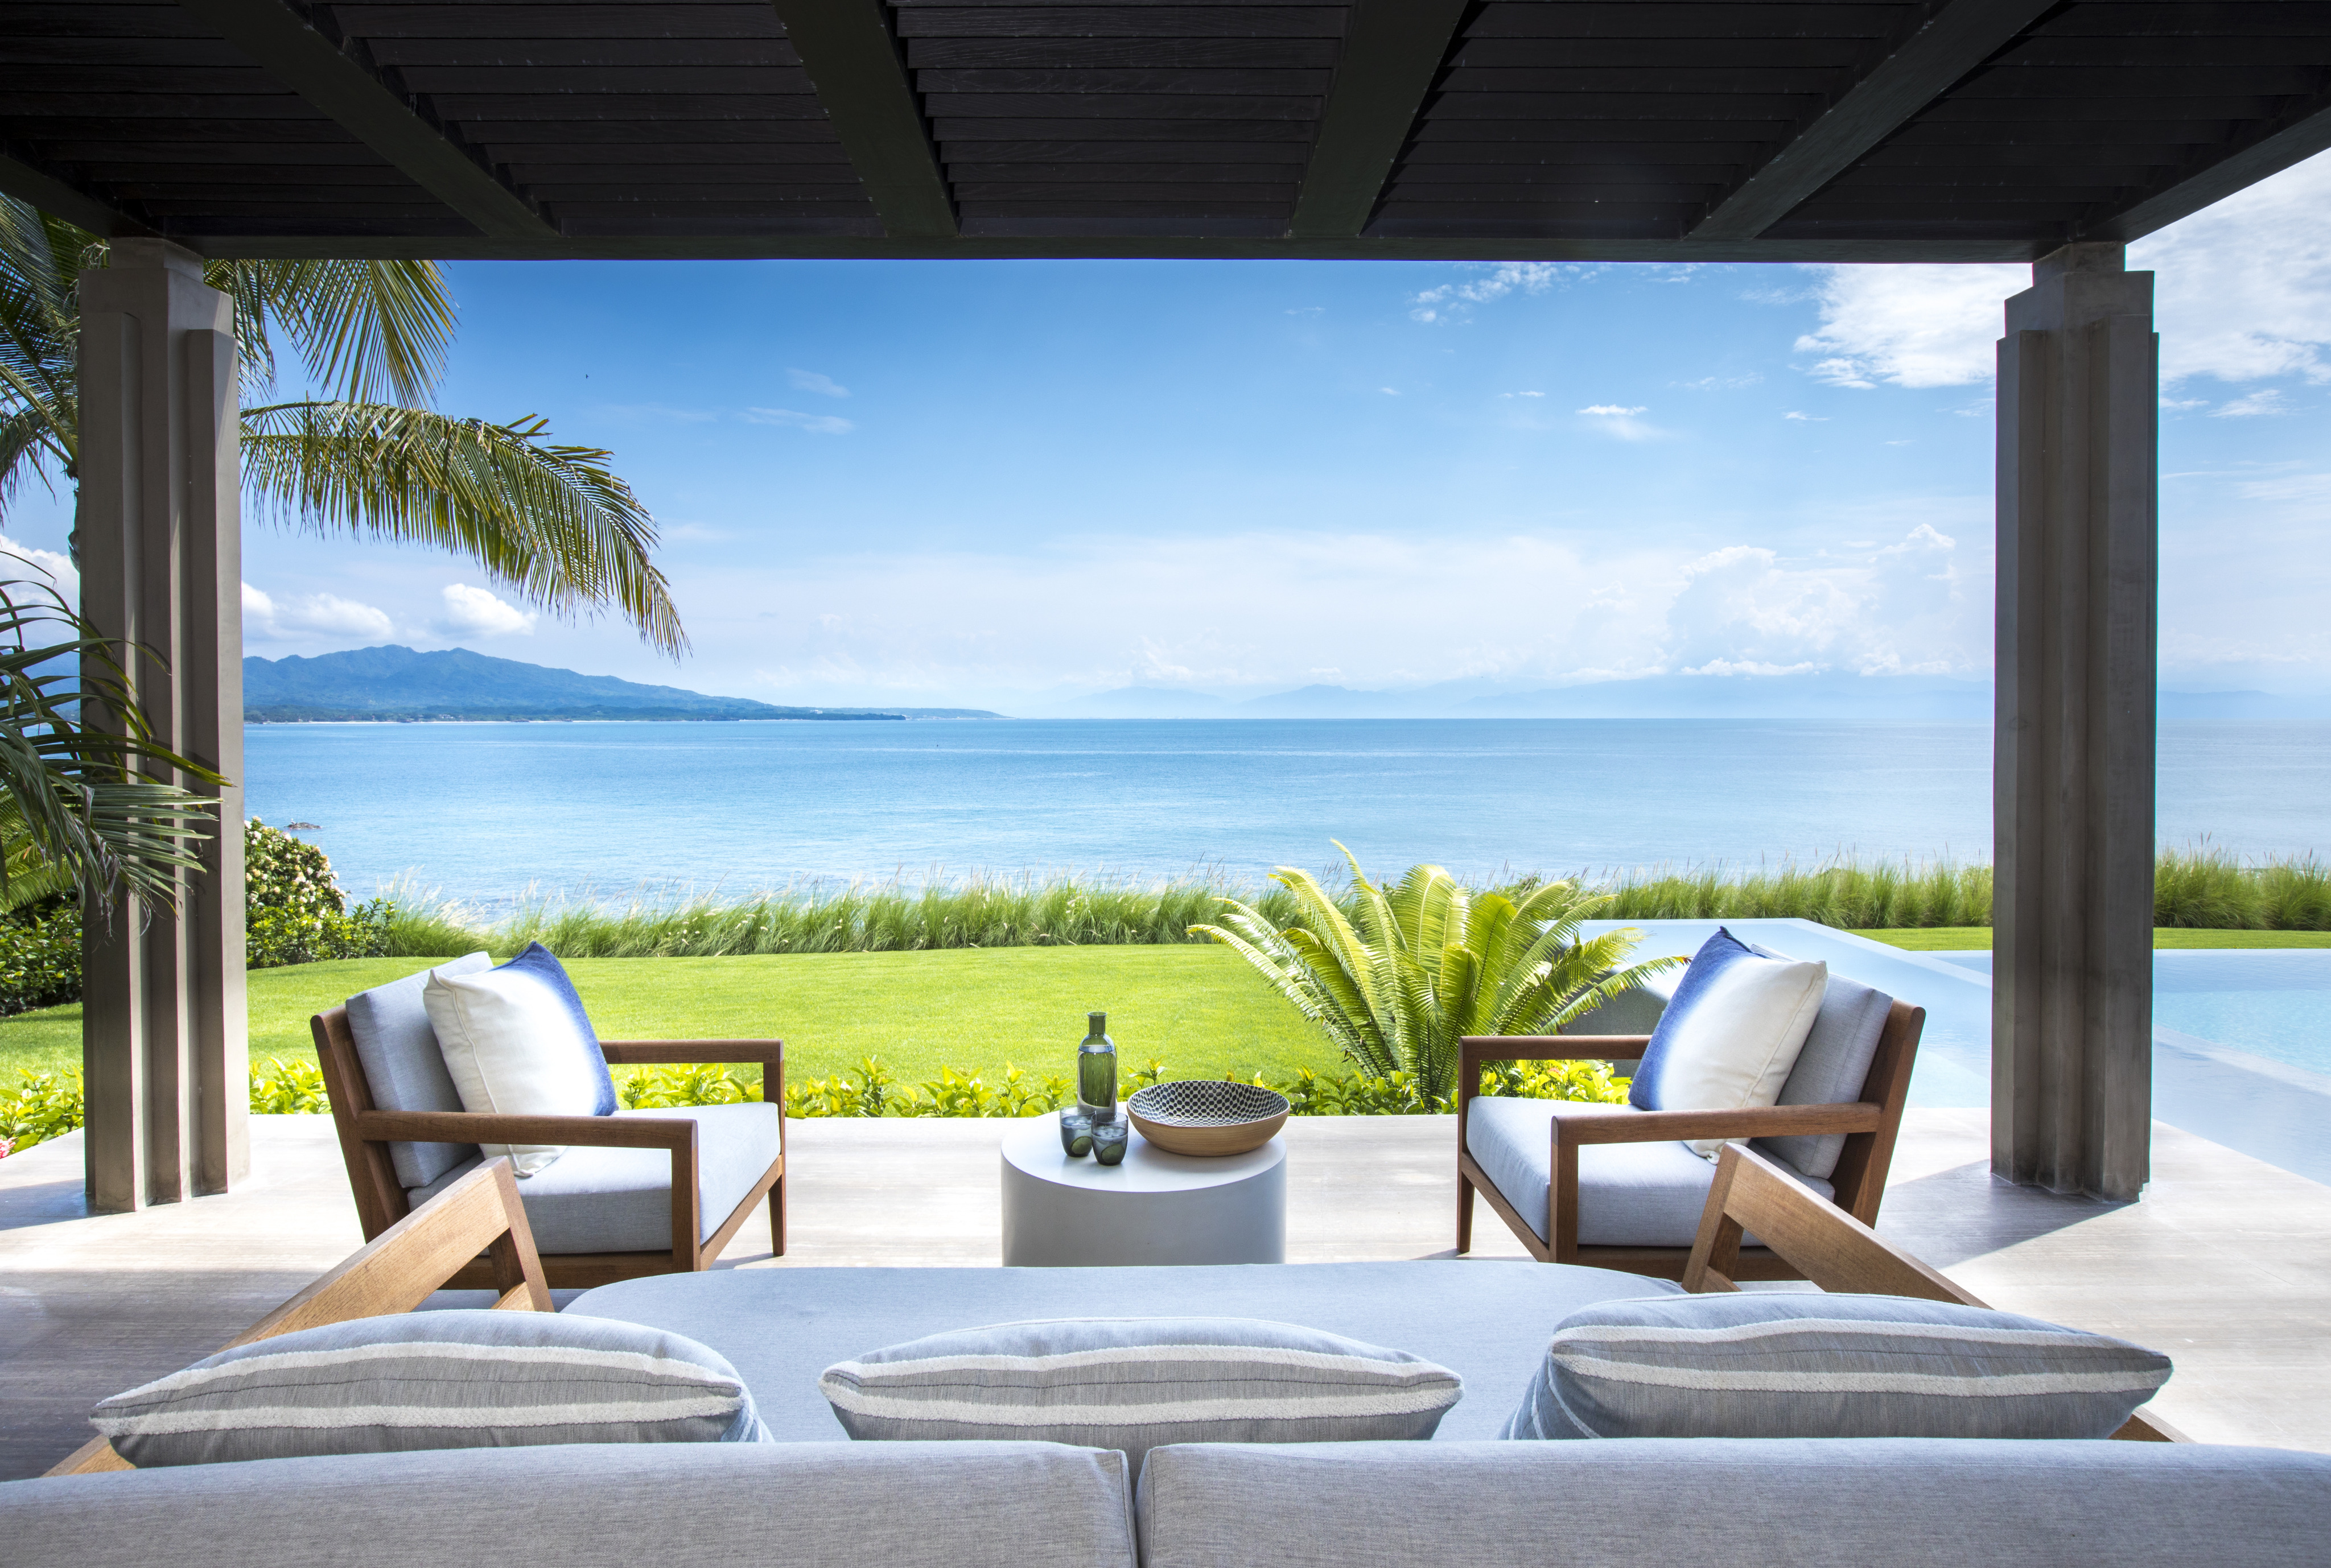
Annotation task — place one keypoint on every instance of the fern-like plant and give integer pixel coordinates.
(1414, 966)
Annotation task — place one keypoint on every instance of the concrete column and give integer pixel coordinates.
(164, 1044)
(2073, 768)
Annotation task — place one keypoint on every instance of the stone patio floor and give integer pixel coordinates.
(2225, 1265)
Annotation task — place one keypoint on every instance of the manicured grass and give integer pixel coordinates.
(1198, 1009)
(1977, 938)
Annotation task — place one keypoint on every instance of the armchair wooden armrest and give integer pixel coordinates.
(769, 1053)
(1587, 1126)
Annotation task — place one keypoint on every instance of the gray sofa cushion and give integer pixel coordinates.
(1766, 1365)
(433, 1380)
(404, 1069)
(1830, 1070)
(598, 1506)
(1487, 1321)
(1808, 1502)
(619, 1200)
(1629, 1194)
(1132, 1382)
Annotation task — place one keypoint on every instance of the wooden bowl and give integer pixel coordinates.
(1203, 1116)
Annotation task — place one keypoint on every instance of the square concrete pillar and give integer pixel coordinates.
(165, 1042)
(2073, 765)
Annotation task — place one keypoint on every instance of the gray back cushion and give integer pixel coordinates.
(1128, 1383)
(433, 1380)
(595, 1506)
(404, 1069)
(1785, 1365)
(1831, 1070)
(1807, 1503)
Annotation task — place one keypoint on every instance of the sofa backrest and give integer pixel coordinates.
(1809, 1503)
(405, 1070)
(595, 1506)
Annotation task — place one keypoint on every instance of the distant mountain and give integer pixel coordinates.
(1149, 702)
(397, 684)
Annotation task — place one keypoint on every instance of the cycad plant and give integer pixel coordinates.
(552, 523)
(1415, 965)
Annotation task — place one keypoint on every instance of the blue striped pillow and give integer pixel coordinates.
(1765, 1364)
(434, 1380)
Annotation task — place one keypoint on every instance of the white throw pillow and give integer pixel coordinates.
(1729, 1038)
(515, 1046)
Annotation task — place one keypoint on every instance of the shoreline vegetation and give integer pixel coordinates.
(2200, 888)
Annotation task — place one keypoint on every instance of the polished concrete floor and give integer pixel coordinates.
(2225, 1266)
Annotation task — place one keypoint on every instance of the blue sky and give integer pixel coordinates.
(1012, 484)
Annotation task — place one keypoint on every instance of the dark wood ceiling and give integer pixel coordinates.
(1780, 129)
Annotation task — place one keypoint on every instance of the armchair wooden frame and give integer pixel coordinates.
(476, 1224)
(1870, 1124)
(366, 1132)
(1826, 1245)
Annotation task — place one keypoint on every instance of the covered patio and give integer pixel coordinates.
(1462, 130)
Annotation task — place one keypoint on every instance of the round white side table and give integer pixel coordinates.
(1155, 1208)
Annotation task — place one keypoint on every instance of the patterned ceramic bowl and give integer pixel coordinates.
(1203, 1117)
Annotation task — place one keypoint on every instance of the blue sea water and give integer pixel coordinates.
(484, 811)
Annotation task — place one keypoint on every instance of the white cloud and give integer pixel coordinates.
(2241, 291)
(1806, 418)
(1907, 608)
(816, 423)
(1450, 301)
(811, 381)
(57, 568)
(1389, 391)
(311, 615)
(1521, 395)
(477, 613)
(1616, 419)
(2266, 401)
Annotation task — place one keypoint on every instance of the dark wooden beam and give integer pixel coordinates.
(853, 60)
(2300, 139)
(1921, 68)
(316, 67)
(1389, 57)
(28, 182)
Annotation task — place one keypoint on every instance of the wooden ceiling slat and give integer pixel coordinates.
(1553, 131)
(684, 170)
(555, 107)
(1122, 22)
(283, 154)
(1212, 195)
(1662, 54)
(48, 51)
(485, 19)
(2061, 84)
(1121, 208)
(568, 53)
(549, 127)
(1142, 174)
(2284, 49)
(852, 52)
(2201, 19)
(135, 106)
(1175, 80)
(1136, 53)
(1539, 106)
(1068, 153)
(1117, 106)
(1711, 81)
(950, 130)
(1659, 19)
(580, 81)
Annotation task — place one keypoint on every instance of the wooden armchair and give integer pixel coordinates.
(1870, 1124)
(366, 1131)
(1826, 1245)
(476, 1226)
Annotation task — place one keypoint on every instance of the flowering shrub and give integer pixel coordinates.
(293, 910)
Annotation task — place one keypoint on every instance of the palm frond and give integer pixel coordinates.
(368, 330)
(553, 523)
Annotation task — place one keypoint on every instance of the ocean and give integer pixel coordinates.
(485, 812)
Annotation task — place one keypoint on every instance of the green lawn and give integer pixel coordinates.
(1198, 1009)
(1976, 938)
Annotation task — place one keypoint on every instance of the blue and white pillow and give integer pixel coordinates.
(517, 1042)
(1731, 1033)
(1767, 1365)
(434, 1380)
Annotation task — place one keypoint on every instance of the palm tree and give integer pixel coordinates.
(1417, 965)
(76, 814)
(552, 523)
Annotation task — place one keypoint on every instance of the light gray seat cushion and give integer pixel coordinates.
(593, 1199)
(1488, 1321)
(1808, 1502)
(1831, 1071)
(595, 1506)
(1629, 1194)
(405, 1070)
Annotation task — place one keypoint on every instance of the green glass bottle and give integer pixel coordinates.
(1097, 1071)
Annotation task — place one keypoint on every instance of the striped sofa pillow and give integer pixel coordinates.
(1764, 1364)
(1132, 1383)
(433, 1380)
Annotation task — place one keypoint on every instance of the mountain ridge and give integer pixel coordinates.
(394, 684)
